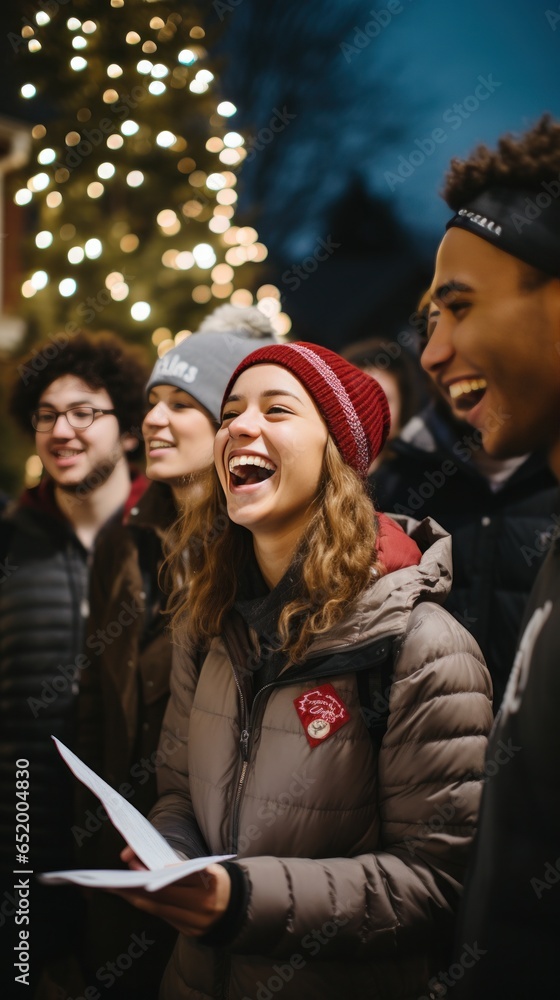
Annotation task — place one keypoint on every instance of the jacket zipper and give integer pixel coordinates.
(244, 740)
(244, 747)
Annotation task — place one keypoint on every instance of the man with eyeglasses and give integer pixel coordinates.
(84, 407)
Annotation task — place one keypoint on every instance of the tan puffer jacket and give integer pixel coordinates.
(354, 863)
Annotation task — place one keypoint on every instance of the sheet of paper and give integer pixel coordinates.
(146, 842)
(150, 880)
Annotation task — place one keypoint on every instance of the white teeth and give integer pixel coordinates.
(250, 460)
(66, 453)
(465, 386)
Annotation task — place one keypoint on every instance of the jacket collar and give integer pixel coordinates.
(386, 605)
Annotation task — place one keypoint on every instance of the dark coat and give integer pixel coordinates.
(499, 538)
(512, 902)
(124, 692)
(43, 608)
(43, 615)
(122, 700)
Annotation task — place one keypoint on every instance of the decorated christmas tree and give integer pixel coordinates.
(131, 184)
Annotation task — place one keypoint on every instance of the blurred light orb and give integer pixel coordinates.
(46, 155)
(135, 178)
(67, 287)
(204, 255)
(233, 139)
(95, 189)
(129, 127)
(165, 139)
(93, 248)
(186, 57)
(215, 182)
(39, 182)
(43, 239)
(106, 170)
(184, 260)
(140, 311)
(23, 196)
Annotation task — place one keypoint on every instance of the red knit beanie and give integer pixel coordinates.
(351, 402)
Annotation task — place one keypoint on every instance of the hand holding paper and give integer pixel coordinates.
(146, 842)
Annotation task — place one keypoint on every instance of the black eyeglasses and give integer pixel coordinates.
(77, 416)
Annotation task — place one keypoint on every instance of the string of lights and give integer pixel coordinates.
(131, 189)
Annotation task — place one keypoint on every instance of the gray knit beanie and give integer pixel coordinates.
(202, 364)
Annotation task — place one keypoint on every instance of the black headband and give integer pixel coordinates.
(523, 223)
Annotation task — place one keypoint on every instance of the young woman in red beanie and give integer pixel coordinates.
(350, 833)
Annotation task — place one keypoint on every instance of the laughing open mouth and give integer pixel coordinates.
(247, 470)
(467, 393)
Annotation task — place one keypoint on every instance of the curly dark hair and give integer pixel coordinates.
(101, 360)
(523, 162)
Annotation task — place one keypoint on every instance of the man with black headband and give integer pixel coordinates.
(494, 350)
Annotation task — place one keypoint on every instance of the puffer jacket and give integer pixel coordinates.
(42, 606)
(43, 611)
(499, 538)
(354, 859)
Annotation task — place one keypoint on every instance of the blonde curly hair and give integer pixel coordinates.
(336, 556)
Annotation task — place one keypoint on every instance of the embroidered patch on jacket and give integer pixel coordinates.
(321, 713)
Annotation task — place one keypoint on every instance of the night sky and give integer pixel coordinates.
(342, 101)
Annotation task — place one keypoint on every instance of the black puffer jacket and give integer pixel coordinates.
(499, 538)
(43, 610)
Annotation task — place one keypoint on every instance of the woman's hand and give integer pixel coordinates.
(192, 905)
(130, 859)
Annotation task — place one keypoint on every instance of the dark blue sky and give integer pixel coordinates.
(342, 101)
(358, 110)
